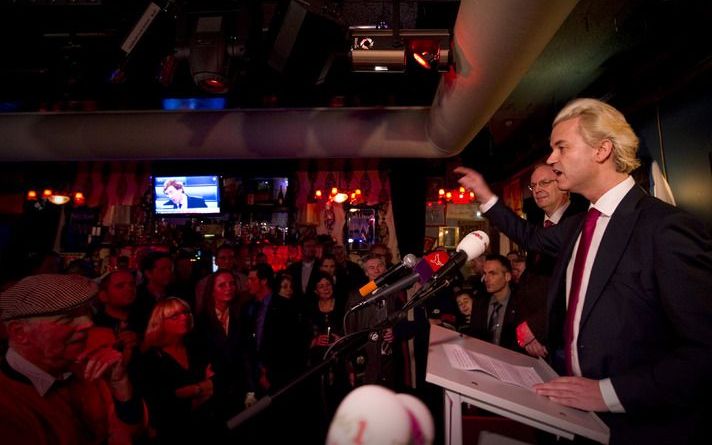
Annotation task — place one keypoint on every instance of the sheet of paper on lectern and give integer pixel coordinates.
(460, 358)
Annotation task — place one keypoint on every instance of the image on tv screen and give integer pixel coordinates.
(186, 194)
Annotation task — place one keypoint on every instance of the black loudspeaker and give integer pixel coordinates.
(306, 43)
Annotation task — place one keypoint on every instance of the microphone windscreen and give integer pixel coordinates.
(422, 428)
(437, 259)
(474, 244)
(423, 269)
(370, 414)
(410, 260)
(368, 288)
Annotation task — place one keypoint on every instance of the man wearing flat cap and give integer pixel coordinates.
(53, 389)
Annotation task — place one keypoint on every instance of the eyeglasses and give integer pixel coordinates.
(543, 183)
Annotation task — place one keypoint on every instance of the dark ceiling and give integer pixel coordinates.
(61, 55)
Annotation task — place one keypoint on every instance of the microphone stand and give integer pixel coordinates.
(348, 343)
(418, 299)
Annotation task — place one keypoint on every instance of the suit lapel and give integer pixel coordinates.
(613, 245)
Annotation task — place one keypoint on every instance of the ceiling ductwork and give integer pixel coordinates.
(494, 44)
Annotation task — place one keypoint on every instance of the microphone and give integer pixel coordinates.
(472, 245)
(433, 261)
(384, 291)
(409, 261)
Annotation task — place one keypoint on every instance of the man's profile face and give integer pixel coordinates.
(572, 160)
(58, 340)
(546, 191)
(496, 276)
(121, 291)
(174, 194)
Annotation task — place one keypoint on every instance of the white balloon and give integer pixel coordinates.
(422, 425)
(370, 415)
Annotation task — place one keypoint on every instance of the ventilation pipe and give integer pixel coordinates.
(495, 42)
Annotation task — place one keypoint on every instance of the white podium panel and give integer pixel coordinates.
(486, 392)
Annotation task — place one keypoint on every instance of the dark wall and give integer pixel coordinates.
(683, 138)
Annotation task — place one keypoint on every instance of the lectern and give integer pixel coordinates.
(487, 392)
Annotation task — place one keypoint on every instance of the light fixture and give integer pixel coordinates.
(55, 197)
(455, 196)
(425, 52)
(79, 199)
(374, 49)
(340, 196)
(209, 55)
(429, 50)
(58, 199)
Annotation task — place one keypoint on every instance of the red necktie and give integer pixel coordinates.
(589, 226)
(548, 223)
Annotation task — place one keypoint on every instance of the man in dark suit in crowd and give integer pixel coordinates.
(629, 302)
(273, 339)
(271, 334)
(531, 294)
(304, 273)
(494, 314)
(178, 199)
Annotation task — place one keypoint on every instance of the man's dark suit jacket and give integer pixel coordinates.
(282, 351)
(534, 283)
(304, 299)
(647, 317)
(194, 202)
(480, 319)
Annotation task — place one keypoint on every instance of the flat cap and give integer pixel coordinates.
(46, 294)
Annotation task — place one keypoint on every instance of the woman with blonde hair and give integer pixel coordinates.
(175, 380)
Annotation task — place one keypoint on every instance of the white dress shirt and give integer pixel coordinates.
(40, 379)
(558, 213)
(606, 204)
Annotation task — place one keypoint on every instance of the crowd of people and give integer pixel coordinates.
(169, 360)
(197, 352)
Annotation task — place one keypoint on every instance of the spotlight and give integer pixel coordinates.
(375, 50)
(429, 49)
(208, 56)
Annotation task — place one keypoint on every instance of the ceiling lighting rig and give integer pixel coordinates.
(387, 50)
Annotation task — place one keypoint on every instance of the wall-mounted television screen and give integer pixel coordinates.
(181, 195)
